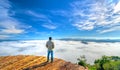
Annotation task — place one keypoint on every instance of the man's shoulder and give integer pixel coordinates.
(51, 41)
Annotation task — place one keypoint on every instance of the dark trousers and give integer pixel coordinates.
(50, 52)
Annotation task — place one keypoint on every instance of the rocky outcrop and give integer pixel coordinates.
(30, 62)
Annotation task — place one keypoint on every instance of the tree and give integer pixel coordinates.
(82, 61)
(101, 62)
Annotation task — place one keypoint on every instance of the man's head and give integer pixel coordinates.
(50, 38)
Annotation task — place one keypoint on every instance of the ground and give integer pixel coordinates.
(31, 62)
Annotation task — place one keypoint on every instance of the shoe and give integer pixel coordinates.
(51, 61)
(47, 61)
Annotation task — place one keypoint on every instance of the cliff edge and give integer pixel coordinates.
(30, 62)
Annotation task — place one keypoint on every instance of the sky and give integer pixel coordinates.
(39, 19)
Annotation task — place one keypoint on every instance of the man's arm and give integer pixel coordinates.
(53, 45)
(46, 45)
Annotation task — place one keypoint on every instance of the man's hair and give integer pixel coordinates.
(50, 38)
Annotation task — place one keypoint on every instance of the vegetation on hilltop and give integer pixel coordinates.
(104, 63)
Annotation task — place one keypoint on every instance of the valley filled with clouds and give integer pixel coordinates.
(67, 50)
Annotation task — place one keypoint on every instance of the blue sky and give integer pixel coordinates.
(39, 19)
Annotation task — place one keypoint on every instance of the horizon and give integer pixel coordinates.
(39, 19)
(83, 40)
(72, 38)
(92, 50)
(56, 38)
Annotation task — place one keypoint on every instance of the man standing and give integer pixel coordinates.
(50, 47)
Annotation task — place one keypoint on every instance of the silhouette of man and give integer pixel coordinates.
(50, 47)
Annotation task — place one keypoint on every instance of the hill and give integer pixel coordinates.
(30, 62)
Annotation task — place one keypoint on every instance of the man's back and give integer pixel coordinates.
(50, 45)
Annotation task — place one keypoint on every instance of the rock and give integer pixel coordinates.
(30, 62)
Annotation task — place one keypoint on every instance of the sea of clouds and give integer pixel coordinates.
(67, 50)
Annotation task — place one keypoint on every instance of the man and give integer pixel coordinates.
(50, 47)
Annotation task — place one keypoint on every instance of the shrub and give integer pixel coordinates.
(82, 61)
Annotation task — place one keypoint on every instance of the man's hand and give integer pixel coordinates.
(46, 45)
(52, 45)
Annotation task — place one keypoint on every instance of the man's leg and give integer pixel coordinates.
(51, 56)
(48, 54)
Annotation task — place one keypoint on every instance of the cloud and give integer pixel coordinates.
(89, 15)
(30, 47)
(85, 26)
(4, 36)
(63, 13)
(47, 23)
(49, 26)
(67, 50)
(117, 7)
(38, 15)
(4, 6)
(10, 27)
(8, 24)
(110, 29)
(12, 31)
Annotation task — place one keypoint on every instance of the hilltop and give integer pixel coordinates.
(30, 62)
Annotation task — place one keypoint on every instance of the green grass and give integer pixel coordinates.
(112, 65)
(108, 62)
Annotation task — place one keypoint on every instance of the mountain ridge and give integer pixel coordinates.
(31, 62)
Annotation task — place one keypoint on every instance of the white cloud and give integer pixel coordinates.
(47, 23)
(63, 13)
(39, 16)
(4, 36)
(110, 29)
(4, 6)
(36, 14)
(89, 15)
(8, 24)
(49, 26)
(10, 27)
(84, 26)
(67, 50)
(117, 7)
(12, 31)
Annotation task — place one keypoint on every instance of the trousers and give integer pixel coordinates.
(50, 52)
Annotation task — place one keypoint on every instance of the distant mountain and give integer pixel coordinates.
(91, 40)
(27, 62)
